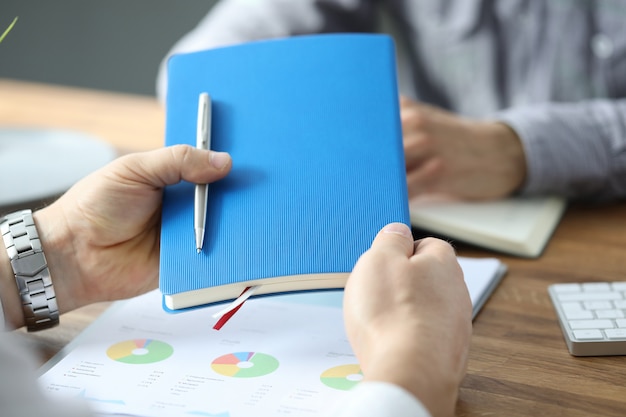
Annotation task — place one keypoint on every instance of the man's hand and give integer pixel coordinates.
(456, 157)
(101, 238)
(408, 316)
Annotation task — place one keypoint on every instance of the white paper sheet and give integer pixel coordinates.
(281, 355)
(300, 361)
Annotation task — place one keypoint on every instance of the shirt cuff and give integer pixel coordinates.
(380, 399)
(566, 147)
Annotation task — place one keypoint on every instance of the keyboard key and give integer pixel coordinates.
(591, 296)
(596, 287)
(564, 288)
(591, 334)
(579, 315)
(598, 305)
(616, 333)
(591, 324)
(621, 323)
(610, 314)
(572, 306)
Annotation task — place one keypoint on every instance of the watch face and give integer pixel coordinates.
(40, 163)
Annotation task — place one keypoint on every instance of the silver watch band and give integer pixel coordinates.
(31, 270)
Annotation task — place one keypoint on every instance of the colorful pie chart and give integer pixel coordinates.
(343, 377)
(245, 364)
(140, 351)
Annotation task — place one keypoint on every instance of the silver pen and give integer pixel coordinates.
(203, 141)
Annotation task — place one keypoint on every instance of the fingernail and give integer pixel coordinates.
(398, 229)
(219, 159)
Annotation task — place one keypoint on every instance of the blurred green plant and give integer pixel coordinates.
(8, 29)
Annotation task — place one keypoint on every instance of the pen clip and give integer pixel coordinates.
(204, 121)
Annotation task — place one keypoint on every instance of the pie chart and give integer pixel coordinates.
(343, 377)
(140, 351)
(245, 364)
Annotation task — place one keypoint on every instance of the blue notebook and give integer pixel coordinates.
(312, 124)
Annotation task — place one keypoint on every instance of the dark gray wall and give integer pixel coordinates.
(112, 45)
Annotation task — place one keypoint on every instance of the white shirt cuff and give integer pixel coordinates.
(380, 399)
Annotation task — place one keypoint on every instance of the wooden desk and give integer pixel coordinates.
(519, 364)
(128, 122)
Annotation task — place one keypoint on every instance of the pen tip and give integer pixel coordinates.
(199, 250)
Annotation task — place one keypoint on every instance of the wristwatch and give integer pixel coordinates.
(31, 270)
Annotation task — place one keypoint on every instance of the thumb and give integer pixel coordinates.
(396, 237)
(170, 165)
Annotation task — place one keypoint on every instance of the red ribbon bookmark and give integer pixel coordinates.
(222, 321)
(230, 311)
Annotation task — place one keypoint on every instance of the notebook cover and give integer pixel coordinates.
(312, 124)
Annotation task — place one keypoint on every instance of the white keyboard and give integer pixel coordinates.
(592, 316)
